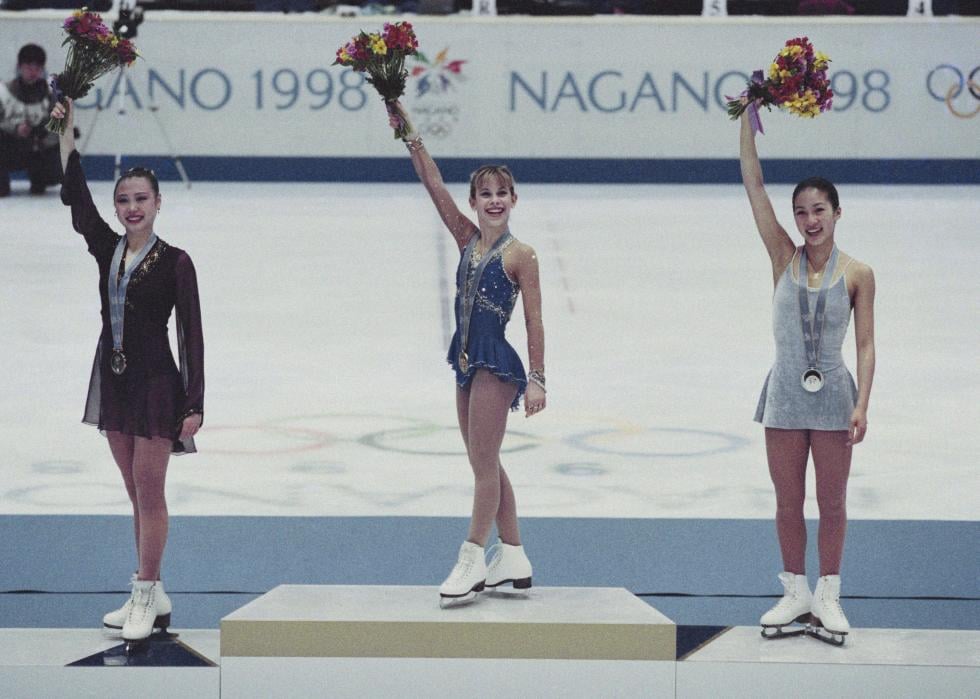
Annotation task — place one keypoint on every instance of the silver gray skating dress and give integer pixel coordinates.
(784, 403)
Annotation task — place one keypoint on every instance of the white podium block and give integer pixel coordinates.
(37, 663)
(892, 663)
(396, 641)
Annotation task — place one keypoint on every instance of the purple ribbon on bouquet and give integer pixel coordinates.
(755, 121)
(56, 92)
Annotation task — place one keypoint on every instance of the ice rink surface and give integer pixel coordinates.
(327, 315)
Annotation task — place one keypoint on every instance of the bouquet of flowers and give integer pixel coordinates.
(93, 51)
(797, 81)
(382, 56)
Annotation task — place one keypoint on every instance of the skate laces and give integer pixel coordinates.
(831, 601)
(141, 599)
(462, 568)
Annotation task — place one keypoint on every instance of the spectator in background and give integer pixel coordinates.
(25, 143)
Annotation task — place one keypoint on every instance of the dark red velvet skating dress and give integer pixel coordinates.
(153, 396)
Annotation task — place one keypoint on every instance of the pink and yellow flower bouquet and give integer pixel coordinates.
(93, 51)
(797, 82)
(382, 56)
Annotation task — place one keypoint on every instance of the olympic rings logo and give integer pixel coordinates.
(960, 81)
(437, 129)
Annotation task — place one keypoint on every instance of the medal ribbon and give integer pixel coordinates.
(117, 287)
(813, 327)
(470, 284)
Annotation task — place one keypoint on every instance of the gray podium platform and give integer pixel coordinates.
(893, 663)
(80, 663)
(395, 641)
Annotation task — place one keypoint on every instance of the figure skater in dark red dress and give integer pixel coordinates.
(145, 404)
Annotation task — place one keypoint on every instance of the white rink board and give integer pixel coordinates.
(660, 94)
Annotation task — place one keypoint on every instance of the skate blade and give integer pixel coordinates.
(771, 633)
(136, 645)
(820, 632)
(833, 638)
(774, 631)
(461, 601)
(511, 589)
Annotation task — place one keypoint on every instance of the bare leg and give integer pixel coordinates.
(150, 458)
(787, 452)
(121, 445)
(482, 411)
(832, 465)
(507, 526)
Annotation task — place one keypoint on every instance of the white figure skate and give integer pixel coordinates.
(794, 607)
(509, 565)
(112, 623)
(467, 578)
(828, 623)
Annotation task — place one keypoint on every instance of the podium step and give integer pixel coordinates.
(892, 663)
(37, 663)
(384, 641)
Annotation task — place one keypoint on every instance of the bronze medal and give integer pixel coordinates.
(117, 362)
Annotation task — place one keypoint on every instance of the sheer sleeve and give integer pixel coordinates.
(85, 217)
(190, 337)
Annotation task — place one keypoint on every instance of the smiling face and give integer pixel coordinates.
(137, 203)
(816, 216)
(492, 196)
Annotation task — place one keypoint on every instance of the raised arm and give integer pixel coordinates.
(526, 273)
(864, 336)
(67, 139)
(777, 241)
(85, 217)
(461, 228)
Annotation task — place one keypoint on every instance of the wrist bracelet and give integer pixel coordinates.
(537, 377)
(414, 145)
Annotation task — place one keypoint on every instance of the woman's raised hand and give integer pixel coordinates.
(60, 111)
(398, 119)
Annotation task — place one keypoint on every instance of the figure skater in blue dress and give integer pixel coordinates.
(494, 269)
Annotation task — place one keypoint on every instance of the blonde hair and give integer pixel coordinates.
(481, 174)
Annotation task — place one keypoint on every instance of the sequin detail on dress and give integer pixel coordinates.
(487, 346)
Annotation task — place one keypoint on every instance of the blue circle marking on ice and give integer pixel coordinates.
(667, 442)
(318, 467)
(386, 440)
(57, 467)
(580, 468)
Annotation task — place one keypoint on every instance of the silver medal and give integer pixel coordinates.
(812, 380)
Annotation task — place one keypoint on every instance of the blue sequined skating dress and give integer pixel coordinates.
(487, 348)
